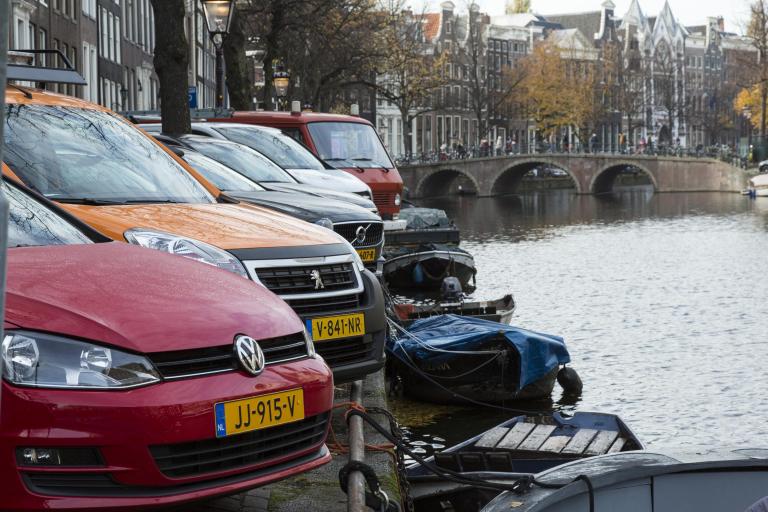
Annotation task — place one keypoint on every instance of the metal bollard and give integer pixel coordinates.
(356, 486)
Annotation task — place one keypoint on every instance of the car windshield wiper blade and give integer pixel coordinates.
(84, 200)
(150, 201)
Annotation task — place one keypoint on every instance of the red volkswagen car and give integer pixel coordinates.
(134, 378)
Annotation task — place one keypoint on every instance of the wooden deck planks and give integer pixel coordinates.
(555, 444)
(601, 443)
(491, 438)
(580, 441)
(617, 445)
(536, 438)
(516, 435)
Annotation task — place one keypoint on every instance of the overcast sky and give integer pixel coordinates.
(690, 12)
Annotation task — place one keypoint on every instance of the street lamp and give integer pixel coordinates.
(280, 80)
(218, 18)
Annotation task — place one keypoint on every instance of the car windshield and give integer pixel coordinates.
(89, 156)
(220, 175)
(31, 223)
(349, 145)
(282, 149)
(249, 163)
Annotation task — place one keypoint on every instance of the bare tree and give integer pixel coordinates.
(171, 63)
(757, 31)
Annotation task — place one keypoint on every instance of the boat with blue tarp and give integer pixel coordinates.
(457, 359)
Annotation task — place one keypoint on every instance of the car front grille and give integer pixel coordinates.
(315, 307)
(345, 351)
(300, 280)
(384, 199)
(373, 233)
(241, 450)
(180, 364)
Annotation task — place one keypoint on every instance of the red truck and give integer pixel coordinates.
(345, 142)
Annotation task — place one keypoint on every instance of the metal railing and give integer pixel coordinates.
(723, 153)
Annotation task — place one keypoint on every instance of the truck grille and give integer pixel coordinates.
(180, 364)
(238, 451)
(345, 351)
(298, 280)
(383, 199)
(373, 233)
(307, 307)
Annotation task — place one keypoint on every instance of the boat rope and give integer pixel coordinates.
(375, 498)
(426, 346)
(459, 396)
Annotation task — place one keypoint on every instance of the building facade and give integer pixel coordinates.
(111, 44)
(672, 85)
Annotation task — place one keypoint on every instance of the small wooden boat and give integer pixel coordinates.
(718, 481)
(499, 310)
(426, 266)
(518, 447)
(457, 359)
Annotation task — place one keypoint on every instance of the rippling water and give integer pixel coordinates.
(662, 299)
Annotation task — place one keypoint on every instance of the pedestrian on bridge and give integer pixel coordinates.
(593, 143)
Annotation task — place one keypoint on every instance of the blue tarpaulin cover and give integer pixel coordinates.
(539, 353)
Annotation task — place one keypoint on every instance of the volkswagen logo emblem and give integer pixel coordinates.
(360, 233)
(249, 354)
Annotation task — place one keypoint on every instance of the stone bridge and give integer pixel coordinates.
(591, 173)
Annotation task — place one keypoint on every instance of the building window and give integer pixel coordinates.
(448, 27)
(42, 45)
(110, 37)
(118, 58)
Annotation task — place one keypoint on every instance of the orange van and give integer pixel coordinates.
(122, 182)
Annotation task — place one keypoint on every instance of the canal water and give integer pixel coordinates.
(662, 300)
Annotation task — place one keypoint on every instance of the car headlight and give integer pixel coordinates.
(188, 247)
(48, 361)
(311, 352)
(397, 199)
(326, 223)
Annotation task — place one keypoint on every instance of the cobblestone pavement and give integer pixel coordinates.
(317, 490)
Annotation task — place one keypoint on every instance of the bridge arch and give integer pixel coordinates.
(508, 180)
(604, 180)
(440, 182)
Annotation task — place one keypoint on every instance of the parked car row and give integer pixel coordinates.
(150, 379)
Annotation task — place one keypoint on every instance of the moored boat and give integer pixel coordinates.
(499, 310)
(427, 265)
(758, 186)
(718, 481)
(456, 359)
(515, 449)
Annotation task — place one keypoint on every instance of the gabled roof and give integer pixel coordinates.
(635, 17)
(588, 23)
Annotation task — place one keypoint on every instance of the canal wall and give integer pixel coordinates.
(319, 489)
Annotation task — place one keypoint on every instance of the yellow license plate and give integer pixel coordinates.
(333, 327)
(263, 411)
(367, 255)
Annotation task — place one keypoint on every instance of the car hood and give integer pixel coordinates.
(331, 178)
(320, 192)
(137, 299)
(227, 226)
(306, 207)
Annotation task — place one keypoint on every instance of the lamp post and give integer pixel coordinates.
(281, 79)
(218, 17)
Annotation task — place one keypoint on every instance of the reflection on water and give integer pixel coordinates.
(661, 298)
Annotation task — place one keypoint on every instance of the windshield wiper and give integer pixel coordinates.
(150, 201)
(84, 200)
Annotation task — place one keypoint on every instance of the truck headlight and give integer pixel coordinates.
(49, 361)
(188, 247)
